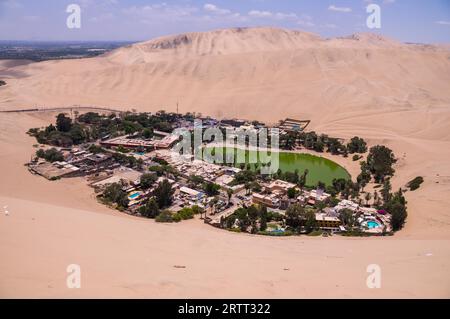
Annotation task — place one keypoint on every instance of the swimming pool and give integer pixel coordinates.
(134, 195)
(373, 224)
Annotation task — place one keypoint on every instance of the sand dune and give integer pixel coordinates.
(385, 91)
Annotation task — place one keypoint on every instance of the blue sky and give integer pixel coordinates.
(426, 21)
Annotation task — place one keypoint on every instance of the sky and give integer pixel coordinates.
(419, 21)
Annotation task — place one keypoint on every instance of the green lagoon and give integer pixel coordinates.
(320, 169)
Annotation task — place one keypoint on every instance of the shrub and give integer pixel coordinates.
(357, 145)
(185, 213)
(315, 233)
(114, 194)
(51, 155)
(415, 183)
(150, 209)
(147, 180)
(166, 216)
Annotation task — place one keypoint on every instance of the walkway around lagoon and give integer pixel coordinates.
(57, 109)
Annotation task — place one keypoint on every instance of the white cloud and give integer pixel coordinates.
(443, 22)
(305, 21)
(215, 9)
(339, 9)
(161, 11)
(273, 15)
(260, 14)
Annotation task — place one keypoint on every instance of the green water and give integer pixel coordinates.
(320, 169)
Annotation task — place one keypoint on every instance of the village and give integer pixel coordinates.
(141, 175)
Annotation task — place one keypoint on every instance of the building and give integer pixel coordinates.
(268, 200)
(279, 185)
(328, 222)
(166, 142)
(127, 142)
(292, 125)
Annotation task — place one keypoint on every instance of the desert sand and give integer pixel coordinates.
(365, 85)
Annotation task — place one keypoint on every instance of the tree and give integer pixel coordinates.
(386, 190)
(380, 161)
(398, 213)
(77, 134)
(147, 133)
(302, 179)
(310, 223)
(195, 180)
(247, 187)
(147, 180)
(396, 206)
(263, 216)
(291, 192)
(364, 177)
(229, 194)
(114, 194)
(150, 209)
(211, 189)
(63, 123)
(163, 194)
(357, 145)
(347, 217)
(50, 155)
(242, 216)
(415, 183)
(368, 197)
(294, 216)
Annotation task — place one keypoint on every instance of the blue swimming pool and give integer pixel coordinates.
(134, 196)
(372, 224)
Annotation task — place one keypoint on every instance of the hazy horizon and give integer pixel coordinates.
(140, 20)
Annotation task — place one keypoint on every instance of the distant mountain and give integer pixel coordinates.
(364, 80)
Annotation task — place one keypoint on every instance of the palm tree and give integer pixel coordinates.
(247, 186)
(229, 194)
(368, 197)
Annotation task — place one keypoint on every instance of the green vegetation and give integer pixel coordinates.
(50, 155)
(147, 180)
(163, 194)
(396, 206)
(91, 126)
(150, 209)
(357, 145)
(380, 161)
(195, 181)
(126, 160)
(166, 216)
(114, 194)
(184, 214)
(211, 189)
(415, 183)
(253, 219)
